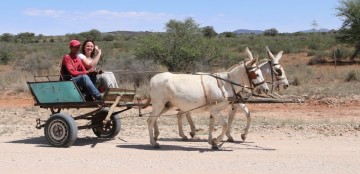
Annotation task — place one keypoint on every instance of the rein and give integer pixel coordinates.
(273, 73)
(237, 95)
(228, 81)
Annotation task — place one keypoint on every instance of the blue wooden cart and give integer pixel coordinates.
(61, 128)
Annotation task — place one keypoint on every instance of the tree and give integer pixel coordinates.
(314, 25)
(349, 32)
(92, 35)
(7, 37)
(271, 32)
(209, 32)
(25, 37)
(180, 48)
(228, 34)
(109, 37)
(5, 57)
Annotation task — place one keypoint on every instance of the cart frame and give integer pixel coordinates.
(60, 128)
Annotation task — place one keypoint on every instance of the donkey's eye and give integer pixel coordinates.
(278, 72)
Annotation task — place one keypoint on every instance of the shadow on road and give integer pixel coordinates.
(189, 145)
(200, 145)
(42, 142)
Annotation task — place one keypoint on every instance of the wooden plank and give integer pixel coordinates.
(126, 95)
(124, 98)
(272, 100)
(112, 109)
(120, 90)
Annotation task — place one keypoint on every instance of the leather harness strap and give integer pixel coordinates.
(220, 86)
(203, 86)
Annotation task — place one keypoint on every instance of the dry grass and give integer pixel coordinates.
(310, 81)
(325, 80)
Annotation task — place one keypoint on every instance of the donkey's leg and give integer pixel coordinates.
(232, 113)
(211, 128)
(180, 126)
(192, 125)
(155, 113)
(156, 131)
(248, 119)
(224, 126)
(156, 127)
(151, 121)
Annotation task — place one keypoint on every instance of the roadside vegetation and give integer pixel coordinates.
(329, 64)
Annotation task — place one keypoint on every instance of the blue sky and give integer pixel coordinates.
(59, 17)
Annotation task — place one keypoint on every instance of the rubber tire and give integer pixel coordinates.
(102, 132)
(61, 130)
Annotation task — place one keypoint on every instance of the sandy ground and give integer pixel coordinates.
(284, 138)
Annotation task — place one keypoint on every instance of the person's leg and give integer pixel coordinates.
(84, 81)
(93, 78)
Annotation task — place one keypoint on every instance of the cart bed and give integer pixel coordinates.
(66, 94)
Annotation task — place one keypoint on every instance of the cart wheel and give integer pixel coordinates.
(108, 130)
(61, 130)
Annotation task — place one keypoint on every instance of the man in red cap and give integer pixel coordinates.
(73, 69)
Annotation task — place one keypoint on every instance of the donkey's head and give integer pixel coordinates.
(277, 73)
(254, 73)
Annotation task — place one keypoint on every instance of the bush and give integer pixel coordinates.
(317, 60)
(341, 54)
(296, 81)
(352, 76)
(5, 57)
(38, 63)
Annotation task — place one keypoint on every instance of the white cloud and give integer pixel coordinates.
(46, 12)
(131, 15)
(105, 20)
(101, 14)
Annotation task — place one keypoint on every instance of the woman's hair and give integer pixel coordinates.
(83, 47)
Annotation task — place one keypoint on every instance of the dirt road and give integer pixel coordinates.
(130, 155)
(284, 138)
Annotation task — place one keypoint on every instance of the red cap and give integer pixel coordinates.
(74, 43)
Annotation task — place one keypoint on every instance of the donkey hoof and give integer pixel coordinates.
(156, 146)
(230, 139)
(215, 147)
(192, 135)
(243, 137)
(214, 144)
(185, 138)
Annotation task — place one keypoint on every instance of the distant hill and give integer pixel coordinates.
(246, 31)
(311, 30)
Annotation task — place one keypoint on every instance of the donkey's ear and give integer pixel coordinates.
(249, 54)
(278, 56)
(253, 61)
(270, 55)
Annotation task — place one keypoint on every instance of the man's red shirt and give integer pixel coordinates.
(74, 65)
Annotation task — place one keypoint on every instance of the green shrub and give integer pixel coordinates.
(38, 63)
(317, 60)
(352, 76)
(296, 81)
(5, 57)
(341, 53)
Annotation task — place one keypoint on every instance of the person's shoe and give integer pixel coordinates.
(99, 98)
(88, 98)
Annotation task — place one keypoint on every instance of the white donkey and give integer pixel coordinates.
(199, 93)
(273, 73)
